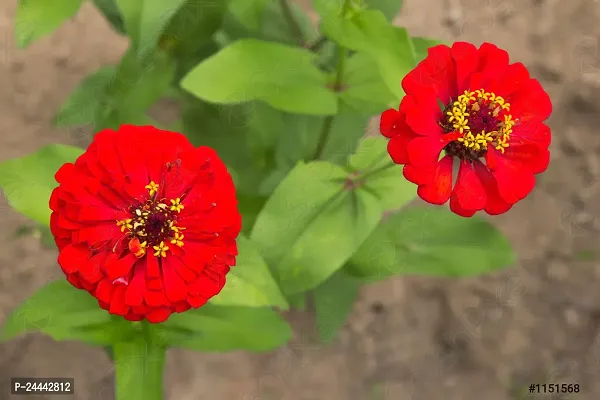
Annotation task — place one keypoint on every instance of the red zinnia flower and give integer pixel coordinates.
(480, 110)
(145, 222)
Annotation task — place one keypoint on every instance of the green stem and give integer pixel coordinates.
(337, 86)
(139, 369)
(295, 29)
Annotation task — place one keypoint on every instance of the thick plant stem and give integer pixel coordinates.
(139, 370)
(295, 29)
(337, 86)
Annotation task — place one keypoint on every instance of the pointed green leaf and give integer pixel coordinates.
(250, 283)
(380, 176)
(111, 12)
(282, 76)
(192, 27)
(154, 18)
(219, 329)
(63, 312)
(371, 33)
(333, 302)
(365, 91)
(309, 214)
(37, 18)
(27, 182)
(431, 241)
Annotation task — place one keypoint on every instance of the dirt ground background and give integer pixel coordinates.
(417, 339)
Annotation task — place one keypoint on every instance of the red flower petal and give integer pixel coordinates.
(469, 194)
(108, 184)
(425, 150)
(493, 63)
(515, 180)
(465, 58)
(438, 178)
(389, 121)
(495, 204)
(514, 77)
(397, 147)
(532, 132)
(530, 102)
(435, 73)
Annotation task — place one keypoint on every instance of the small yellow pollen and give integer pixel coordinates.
(152, 188)
(161, 250)
(178, 239)
(472, 101)
(176, 205)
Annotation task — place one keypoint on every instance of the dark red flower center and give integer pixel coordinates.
(153, 224)
(475, 121)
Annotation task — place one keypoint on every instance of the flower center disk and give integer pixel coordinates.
(475, 121)
(153, 224)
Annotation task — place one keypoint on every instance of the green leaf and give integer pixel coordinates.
(137, 85)
(27, 182)
(87, 100)
(111, 12)
(282, 76)
(63, 312)
(371, 33)
(380, 176)
(309, 214)
(37, 18)
(192, 27)
(365, 91)
(431, 241)
(249, 206)
(333, 302)
(225, 129)
(389, 8)
(250, 282)
(154, 18)
(301, 135)
(219, 329)
(421, 45)
(265, 19)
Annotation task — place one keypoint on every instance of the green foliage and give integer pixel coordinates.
(250, 282)
(333, 302)
(146, 19)
(310, 213)
(365, 92)
(218, 329)
(113, 96)
(111, 12)
(389, 8)
(27, 182)
(249, 69)
(370, 32)
(37, 18)
(65, 313)
(271, 92)
(431, 242)
(373, 170)
(265, 19)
